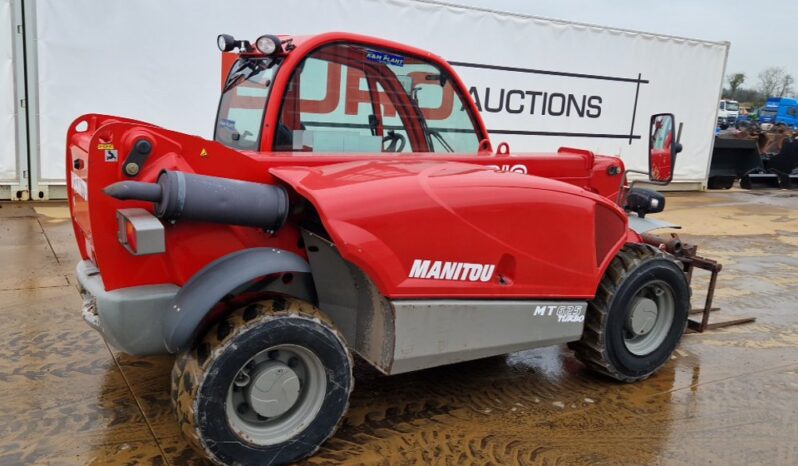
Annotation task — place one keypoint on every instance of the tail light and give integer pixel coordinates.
(140, 232)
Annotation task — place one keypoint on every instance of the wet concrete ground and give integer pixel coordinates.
(728, 396)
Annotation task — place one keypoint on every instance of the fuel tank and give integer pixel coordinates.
(423, 228)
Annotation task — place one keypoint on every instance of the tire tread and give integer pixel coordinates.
(591, 349)
(190, 370)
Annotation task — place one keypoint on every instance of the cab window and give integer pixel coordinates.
(347, 98)
(243, 103)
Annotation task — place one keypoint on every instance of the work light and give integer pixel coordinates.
(225, 42)
(268, 44)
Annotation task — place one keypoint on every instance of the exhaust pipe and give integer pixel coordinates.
(179, 195)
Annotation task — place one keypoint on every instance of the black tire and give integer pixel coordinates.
(602, 347)
(201, 378)
(720, 182)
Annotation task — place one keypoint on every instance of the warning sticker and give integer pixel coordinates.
(203, 153)
(79, 186)
(112, 155)
(105, 146)
(385, 58)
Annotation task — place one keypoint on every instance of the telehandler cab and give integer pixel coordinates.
(351, 202)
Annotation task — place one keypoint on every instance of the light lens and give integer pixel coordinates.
(266, 45)
(130, 236)
(225, 42)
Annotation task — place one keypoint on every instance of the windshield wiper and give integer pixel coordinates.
(423, 123)
(246, 70)
(439, 137)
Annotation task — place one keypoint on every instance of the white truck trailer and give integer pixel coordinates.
(540, 83)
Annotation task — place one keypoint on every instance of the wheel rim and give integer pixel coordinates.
(276, 394)
(649, 318)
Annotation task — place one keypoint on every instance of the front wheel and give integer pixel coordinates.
(638, 315)
(268, 384)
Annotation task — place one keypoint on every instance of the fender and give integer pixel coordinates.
(193, 302)
(644, 225)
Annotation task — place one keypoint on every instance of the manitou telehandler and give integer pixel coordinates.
(351, 201)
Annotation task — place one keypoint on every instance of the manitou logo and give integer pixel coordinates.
(570, 313)
(441, 270)
(518, 168)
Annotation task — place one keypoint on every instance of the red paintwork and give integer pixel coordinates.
(547, 214)
(382, 211)
(424, 209)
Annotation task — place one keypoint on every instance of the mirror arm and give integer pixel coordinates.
(678, 146)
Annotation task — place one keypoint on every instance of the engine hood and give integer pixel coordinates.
(537, 234)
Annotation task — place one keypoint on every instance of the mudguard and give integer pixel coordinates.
(646, 224)
(193, 302)
(442, 229)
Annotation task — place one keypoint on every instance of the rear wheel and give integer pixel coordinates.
(266, 385)
(637, 317)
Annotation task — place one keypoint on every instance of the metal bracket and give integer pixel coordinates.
(690, 260)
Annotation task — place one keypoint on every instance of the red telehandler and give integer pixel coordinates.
(351, 202)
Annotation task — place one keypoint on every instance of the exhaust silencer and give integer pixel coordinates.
(179, 195)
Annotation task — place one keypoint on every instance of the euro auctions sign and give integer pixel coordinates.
(538, 102)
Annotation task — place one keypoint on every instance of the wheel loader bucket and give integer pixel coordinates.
(738, 158)
(760, 179)
(785, 165)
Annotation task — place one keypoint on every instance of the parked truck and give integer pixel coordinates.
(728, 112)
(382, 222)
(779, 111)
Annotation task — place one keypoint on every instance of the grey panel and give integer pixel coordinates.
(129, 318)
(335, 284)
(213, 282)
(351, 300)
(642, 225)
(406, 335)
(435, 332)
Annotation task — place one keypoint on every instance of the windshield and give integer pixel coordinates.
(349, 98)
(732, 106)
(767, 113)
(240, 115)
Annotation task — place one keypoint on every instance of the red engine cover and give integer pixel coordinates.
(409, 224)
(449, 216)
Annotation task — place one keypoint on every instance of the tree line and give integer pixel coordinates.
(771, 82)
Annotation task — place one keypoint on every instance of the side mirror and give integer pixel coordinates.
(662, 148)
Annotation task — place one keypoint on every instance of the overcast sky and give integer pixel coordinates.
(762, 34)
